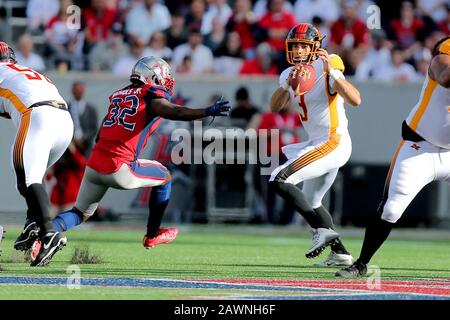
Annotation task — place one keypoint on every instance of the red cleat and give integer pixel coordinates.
(162, 236)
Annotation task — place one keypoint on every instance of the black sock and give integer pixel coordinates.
(293, 195)
(376, 233)
(159, 199)
(39, 204)
(327, 220)
(338, 247)
(324, 217)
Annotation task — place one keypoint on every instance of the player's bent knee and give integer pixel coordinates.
(391, 212)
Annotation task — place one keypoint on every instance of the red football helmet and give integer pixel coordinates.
(303, 33)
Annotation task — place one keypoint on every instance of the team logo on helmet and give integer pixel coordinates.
(152, 70)
(304, 33)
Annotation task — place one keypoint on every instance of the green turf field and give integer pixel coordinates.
(213, 252)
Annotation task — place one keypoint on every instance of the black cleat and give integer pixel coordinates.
(2, 236)
(26, 239)
(50, 243)
(357, 269)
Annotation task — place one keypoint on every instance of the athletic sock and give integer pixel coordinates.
(67, 220)
(376, 233)
(39, 205)
(338, 247)
(159, 199)
(293, 195)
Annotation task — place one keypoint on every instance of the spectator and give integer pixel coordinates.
(216, 8)
(260, 8)
(435, 9)
(176, 34)
(243, 21)
(185, 67)
(157, 47)
(277, 22)
(444, 25)
(348, 32)
(324, 30)
(39, 13)
(262, 64)
(229, 57)
(362, 7)
(98, 18)
(216, 38)
(64, 44)
(243, 110)
(146, 19)
(25, 55)
(405, 28)
(123, 66)
(377, 57)
(85, 118)
(195, 16)
(306, 10)
(288, 126)
(67, 173)
(201, 55)
(398, 70)
(422, 61)
(106, 53)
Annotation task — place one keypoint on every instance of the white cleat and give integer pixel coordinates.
(322, 237)
(336, 259)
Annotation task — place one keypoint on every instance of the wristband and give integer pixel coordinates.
(334, 75)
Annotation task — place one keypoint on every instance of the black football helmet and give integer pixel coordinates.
(7, 53)
(303, 33)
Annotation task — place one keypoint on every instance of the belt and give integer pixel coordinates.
(51, 103)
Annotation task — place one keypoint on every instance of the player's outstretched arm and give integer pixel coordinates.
(165, 109)
(440, 70)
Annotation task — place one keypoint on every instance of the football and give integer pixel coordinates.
(303, 79)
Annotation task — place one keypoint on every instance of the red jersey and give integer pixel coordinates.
(126, 128)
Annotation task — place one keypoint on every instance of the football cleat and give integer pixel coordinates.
(2, 235)
(322, 237)
(162, 236)
(34, 250)
(26, 239)
(336, 259)
(51, 243)
(357, 269)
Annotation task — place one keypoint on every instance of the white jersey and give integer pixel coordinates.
(430, 117)
(21, 87)
(322, 113)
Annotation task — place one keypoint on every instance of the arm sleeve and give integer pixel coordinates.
(337, 63)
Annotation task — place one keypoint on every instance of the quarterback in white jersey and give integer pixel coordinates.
(422, 156)
(44, 131)
(316, 161)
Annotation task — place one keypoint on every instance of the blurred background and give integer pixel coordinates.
(235, 49)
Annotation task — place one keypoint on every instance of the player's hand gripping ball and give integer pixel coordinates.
(303, 79)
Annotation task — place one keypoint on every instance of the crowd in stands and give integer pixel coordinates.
(232, 37)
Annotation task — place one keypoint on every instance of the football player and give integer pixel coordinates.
(422, 156)
(316, 161)
(133, 115)
(44, 131)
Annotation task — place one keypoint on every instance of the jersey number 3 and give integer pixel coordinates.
(302, 104)
(120, 110)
